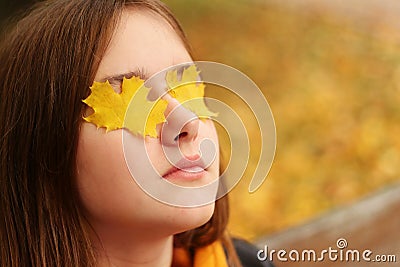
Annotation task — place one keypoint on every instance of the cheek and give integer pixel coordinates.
(207, 130)
(103, 179)
(110, 196)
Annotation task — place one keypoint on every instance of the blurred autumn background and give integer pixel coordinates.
(332, 80)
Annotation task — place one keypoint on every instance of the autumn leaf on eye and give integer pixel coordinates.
(143, 112)
(110, 108)
(188, 91)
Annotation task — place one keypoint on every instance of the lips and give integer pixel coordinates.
(187, 169)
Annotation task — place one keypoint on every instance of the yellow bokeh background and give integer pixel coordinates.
(333, 85)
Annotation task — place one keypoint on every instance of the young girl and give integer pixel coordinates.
(67, 196)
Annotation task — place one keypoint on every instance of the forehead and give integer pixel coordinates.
(142, 40)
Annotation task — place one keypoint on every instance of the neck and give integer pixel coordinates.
(126, 249)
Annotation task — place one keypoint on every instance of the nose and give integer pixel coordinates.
(189, 131)
(182, 125)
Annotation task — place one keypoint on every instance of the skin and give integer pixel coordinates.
(128, 227)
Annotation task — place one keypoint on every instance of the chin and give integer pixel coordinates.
(190, 218)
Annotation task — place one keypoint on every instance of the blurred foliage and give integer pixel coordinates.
(334, 88)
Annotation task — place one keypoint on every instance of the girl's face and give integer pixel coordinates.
(110, 196)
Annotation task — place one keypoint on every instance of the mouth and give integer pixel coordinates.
(186, 169)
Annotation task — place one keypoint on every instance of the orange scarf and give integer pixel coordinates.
(210, 256)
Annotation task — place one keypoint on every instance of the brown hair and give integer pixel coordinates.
(48, 61)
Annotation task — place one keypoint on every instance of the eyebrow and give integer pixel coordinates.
(117, 78)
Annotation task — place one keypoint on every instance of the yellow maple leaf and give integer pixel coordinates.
(188, 91)
(110, 108)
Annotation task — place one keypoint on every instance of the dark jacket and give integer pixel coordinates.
(248, 254)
